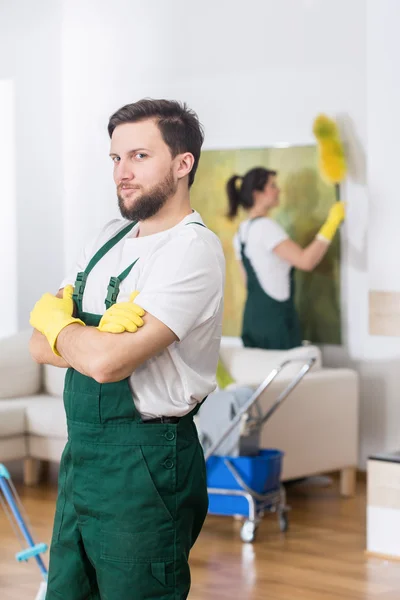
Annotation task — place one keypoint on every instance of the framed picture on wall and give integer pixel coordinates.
(304, 203)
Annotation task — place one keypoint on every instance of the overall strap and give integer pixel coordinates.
(113, 286)
(189, 416)
(241, 240)
(197, 407)
(81, 278)
(196, 223)
(115, 282)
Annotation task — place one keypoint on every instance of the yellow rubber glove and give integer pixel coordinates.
(335, 217)
(51, 314)
(122, 316)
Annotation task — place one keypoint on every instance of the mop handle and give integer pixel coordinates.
(5, 488)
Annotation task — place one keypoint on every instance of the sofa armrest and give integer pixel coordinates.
(250, 366)
(317, 425)
(19, 374)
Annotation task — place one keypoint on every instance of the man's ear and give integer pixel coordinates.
(185, 164)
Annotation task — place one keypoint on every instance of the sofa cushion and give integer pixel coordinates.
(53, 380)
(12, 419)
(45, 416)
(250, 366)
(19, 374)
(13, 448)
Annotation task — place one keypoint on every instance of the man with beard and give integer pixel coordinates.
(132, 486)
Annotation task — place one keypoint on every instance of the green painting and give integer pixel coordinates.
(304, 204)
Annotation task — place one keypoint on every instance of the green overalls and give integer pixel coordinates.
(268, 323)
(132, 495)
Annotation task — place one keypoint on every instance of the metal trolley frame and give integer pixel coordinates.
(275, 500)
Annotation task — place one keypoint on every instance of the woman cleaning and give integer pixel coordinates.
(268, 258)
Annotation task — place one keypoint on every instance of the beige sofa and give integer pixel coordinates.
(316, 427)
(32, 420)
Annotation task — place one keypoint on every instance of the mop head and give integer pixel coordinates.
(332, 160)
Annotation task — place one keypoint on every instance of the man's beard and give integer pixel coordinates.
(148, 204)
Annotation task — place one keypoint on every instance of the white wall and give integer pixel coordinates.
(30, 56)
(381, 365)
(383, 150)
(257, 73)
(8, 205)
(377, 358)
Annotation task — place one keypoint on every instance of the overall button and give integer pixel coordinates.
(168, 464)
(170, 436)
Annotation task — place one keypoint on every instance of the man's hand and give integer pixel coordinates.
(123, 316)
(51, 314)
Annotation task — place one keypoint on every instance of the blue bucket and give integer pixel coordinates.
(261, 473)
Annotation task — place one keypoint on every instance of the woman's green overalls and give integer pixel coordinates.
(132, 495)
(268, 323)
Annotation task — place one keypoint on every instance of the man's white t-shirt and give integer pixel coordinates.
(261, 236)
(180, 275)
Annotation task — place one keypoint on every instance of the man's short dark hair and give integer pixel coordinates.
(179, 125)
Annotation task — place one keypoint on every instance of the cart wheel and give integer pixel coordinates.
(283, 521)
(248, 531)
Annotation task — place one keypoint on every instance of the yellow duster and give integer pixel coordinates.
(332, 160)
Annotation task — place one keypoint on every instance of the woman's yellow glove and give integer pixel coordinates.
(335, 217)
(122, 316)
(51, 314)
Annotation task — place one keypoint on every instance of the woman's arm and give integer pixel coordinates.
(305, 259)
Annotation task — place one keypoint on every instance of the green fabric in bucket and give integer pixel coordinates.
(223, 376)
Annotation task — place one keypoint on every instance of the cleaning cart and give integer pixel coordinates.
(244, 480)
(14, 510)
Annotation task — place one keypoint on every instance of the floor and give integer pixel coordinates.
(321, 557)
